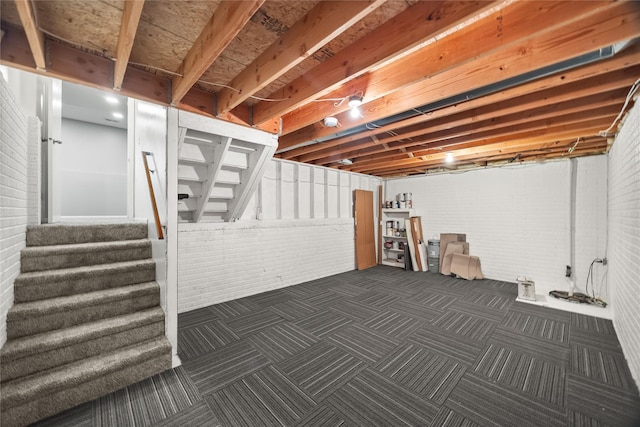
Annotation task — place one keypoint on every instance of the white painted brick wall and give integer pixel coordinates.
(591, 223)
(34, 126)
(517, 218)
(14, 161)
(624, 237)
(220, 262)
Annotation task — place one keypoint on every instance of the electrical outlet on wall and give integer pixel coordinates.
(568, 271)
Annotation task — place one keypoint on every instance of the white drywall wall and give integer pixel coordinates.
(93, 169)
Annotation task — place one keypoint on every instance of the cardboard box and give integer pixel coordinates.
(466, 266)
(446, 238)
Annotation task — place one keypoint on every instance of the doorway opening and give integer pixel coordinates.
(93, 155)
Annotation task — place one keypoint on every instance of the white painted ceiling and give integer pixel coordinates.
(87, 104)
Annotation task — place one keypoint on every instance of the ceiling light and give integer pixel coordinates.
(345, 161)
(117, 115)
(449, 157)
(330, 122)
(355, 101)
(111, 99)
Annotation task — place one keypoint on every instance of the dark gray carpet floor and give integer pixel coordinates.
(382, 347)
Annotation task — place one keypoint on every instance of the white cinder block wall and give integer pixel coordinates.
(517, 218)
(14, 159)
(624, 237)
(306, 232)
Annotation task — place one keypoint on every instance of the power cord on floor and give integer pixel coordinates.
(590, 275)
(580, 297)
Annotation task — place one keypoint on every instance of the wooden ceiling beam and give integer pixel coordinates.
(448, 144)
(476, 148)
(565, 131)
(514, 154)
(516, 24)
(128, 29)
(603, 74)
(524, 154)
(33, 33)
(77, 66)
(488, 153)
(481, 120)
(226, 22)
(323, 23)
(615, 22)
(421, 23)
(477, 122)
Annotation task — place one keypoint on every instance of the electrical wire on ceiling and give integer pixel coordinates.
(575, 145)
(337, 101)
(632, 91)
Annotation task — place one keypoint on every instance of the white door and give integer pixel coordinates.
(50, 113)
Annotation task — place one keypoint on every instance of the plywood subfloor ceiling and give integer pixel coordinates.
(480, 82)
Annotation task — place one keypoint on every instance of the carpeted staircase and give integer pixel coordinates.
(86, 319)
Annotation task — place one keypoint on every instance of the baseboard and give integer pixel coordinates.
(574, 307)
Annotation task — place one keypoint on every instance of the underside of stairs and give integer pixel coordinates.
(86, 319)
(219, 167)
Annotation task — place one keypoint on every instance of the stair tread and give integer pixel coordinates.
(30, 387)
(58, 304)
(46, 341)
(84, 247)
(52, 274)
(50, 234)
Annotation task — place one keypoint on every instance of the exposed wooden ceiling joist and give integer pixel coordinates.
(556, 101)
(128, 28)
(34, 35)
(421, 23)
(604, 75)
(225, 24)
(505, 80)
(568, 38)
(583, 80)
(472, 145)
(323, 23)
(499, 128)
(513, 155)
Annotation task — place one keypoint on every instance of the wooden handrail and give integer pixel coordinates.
(154, 205)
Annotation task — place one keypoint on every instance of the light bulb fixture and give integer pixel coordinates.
(449, 158)
(355, 101)
(345, 161)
